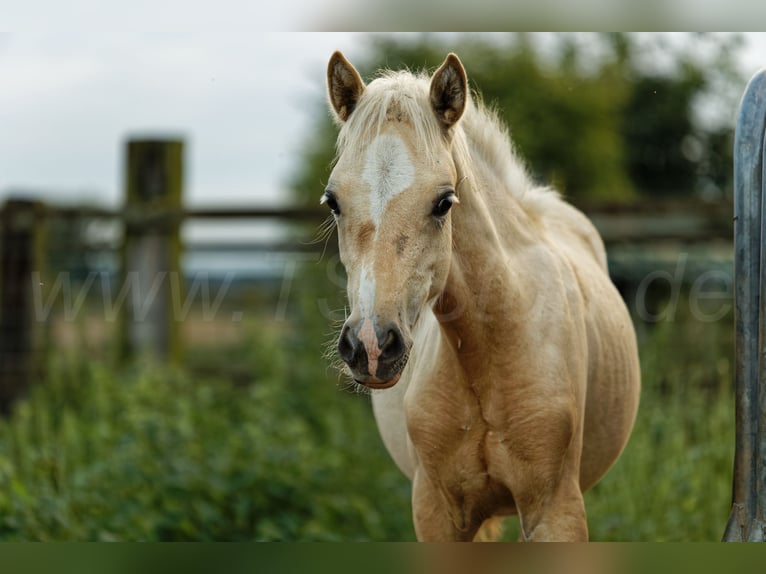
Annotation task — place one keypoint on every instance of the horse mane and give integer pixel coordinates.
(482, 141)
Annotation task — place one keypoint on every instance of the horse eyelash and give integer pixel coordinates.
(323, 234)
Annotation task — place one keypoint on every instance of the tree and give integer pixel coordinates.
(589, 114)
(673, 148)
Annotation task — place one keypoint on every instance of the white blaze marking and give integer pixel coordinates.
(366, 301)
(366, 293)
(388, 170)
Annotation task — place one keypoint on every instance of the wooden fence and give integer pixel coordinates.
(21, 345)
(150, 246)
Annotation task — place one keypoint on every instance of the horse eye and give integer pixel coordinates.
(443, 205)
(331, 202)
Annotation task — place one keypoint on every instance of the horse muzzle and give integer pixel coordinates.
(375, 355)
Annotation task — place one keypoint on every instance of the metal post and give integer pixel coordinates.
(151, 251)
(747, 518)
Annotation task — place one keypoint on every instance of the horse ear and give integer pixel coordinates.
(344, 86)
(449, 91)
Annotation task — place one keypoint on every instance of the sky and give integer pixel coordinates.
(243, 102)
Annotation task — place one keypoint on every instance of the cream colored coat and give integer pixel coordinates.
(519, 382)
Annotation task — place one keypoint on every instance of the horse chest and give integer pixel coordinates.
(453, 452)
(434, 424)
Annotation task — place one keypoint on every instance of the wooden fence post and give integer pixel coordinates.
(747, 520)
(151, 273)
(22, 240)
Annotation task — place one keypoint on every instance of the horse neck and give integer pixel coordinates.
(488, 227)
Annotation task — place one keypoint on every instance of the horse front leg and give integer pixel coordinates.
(436, 516)
(537, 458)
(558, 516)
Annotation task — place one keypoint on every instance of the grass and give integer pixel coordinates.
(673, 482)
(155, 454)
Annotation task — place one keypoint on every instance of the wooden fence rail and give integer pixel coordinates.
(150, 247)
(661, 220)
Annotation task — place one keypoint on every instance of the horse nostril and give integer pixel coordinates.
(346, 344)
(393, 346)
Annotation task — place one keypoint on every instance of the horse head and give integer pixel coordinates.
(392, 191)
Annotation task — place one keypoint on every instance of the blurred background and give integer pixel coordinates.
(169, 288)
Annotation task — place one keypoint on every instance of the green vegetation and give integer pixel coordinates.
(280, 451)
(595, 114)
(673, 482)
(154, 454)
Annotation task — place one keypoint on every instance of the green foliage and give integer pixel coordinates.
(672, 148)
(562, 121)
(673, 482)
(155, 455)
(588, 115)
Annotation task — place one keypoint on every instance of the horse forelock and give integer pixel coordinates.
(397, 97)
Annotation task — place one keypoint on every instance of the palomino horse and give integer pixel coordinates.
(503, 360)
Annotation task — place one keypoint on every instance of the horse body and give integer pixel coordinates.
(506, 359)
